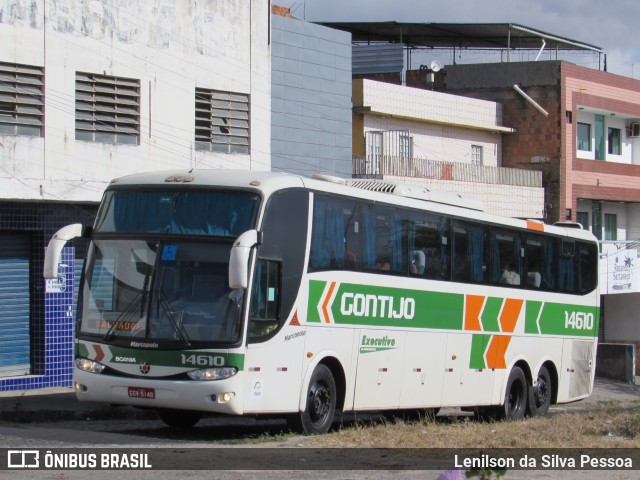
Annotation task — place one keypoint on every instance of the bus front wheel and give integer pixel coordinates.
(179, 418)
(320, 405)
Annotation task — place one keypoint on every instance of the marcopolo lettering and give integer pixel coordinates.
(380, 306)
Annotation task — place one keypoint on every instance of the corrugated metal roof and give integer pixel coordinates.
(377, 58)
(465, 35)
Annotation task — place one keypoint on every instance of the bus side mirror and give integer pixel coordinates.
(239, 259)
(54, 249)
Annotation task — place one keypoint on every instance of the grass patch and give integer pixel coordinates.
(604, 426)
(270, 437)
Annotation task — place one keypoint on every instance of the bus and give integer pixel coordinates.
(259, 293)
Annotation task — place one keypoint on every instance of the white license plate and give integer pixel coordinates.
(140, 392)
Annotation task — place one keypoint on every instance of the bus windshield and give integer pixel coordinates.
(166, 291)
(187, 212)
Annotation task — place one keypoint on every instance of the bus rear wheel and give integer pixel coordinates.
(515, 398)
(540, 394)
(179, 418)
(320, 406)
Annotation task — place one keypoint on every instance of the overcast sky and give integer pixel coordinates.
(613, 25)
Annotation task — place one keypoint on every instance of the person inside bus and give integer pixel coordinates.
(418, 263)
(533, 275)
(383, 263)
(509, 275)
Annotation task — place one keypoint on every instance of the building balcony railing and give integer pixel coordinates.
(383, 165)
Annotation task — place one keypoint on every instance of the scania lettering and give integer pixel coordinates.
(259, 293)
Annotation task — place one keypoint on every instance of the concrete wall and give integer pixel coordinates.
(622, 320)
(311, 104)
(171, 46)
(616, 361)
(443, 127)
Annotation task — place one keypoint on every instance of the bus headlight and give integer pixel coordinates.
(89, 365)
(206, 374)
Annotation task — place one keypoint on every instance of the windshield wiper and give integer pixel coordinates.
(177, 325)
(118, 322)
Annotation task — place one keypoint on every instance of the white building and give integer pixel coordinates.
(90, 91)
(442, 142)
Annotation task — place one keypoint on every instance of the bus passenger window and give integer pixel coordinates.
(567, 280)
(428, 238)
(470, 252)
(335, 239)
(507, 257)
(587, 267)
(541, 257)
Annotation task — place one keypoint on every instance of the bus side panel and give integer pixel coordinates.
(273, 372)
(422, 369)
(463, 384)
(322, 341)
(534, 350)
(577, 370)
(379, 370)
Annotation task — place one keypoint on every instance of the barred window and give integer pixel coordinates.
(222, 121)
(107, 109)
(476, 154)
(21, 100)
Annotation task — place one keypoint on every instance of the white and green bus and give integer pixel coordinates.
(255, 293)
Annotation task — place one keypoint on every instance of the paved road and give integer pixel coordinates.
(84, 427)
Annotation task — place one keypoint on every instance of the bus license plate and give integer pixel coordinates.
(140, 392)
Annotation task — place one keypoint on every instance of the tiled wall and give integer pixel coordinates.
(52, 314)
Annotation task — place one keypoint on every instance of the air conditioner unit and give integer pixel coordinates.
(634, 130)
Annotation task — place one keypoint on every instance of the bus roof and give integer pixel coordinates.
(374, 190)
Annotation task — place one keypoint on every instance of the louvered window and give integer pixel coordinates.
(21, 100)
(107, 109)
(222, 121)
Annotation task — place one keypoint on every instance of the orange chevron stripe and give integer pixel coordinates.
(472, 311)
(510, 313)
(496, 351)
(325, 304)
(99, 353)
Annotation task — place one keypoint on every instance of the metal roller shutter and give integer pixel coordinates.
(15, 298)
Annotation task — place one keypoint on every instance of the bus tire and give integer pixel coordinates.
(320, 404)
(179, 418)
(515, 397)
(540, 394)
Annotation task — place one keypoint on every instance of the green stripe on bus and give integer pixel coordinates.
(479, 344)
(490, 314)
(167, 358)
(532, 310)
(562, 319)
(397, 307)
(354, 304)
(315, 294)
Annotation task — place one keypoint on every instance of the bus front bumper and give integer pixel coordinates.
(220, 396)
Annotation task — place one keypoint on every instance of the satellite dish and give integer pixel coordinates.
(435, 66)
